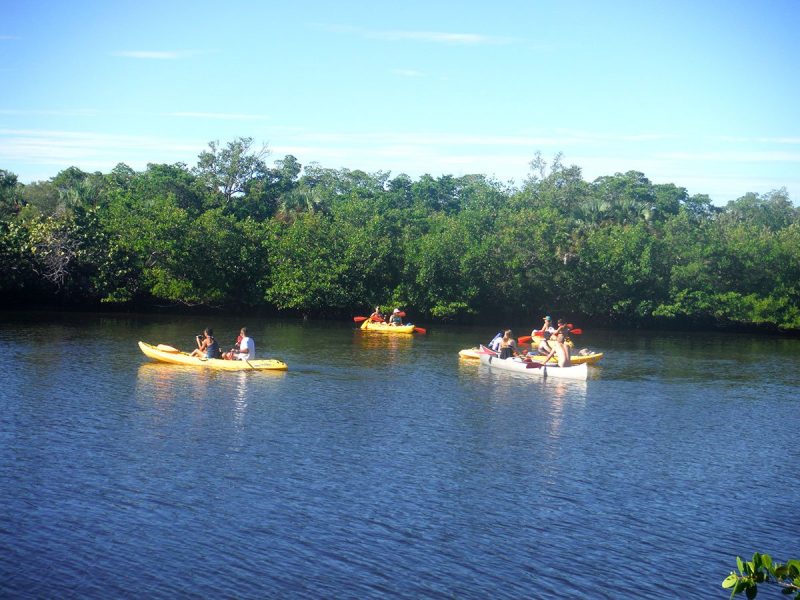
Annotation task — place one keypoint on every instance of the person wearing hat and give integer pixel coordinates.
(396, 319)
(548, 325)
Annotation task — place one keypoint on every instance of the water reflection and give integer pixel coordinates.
(382, 346)
(385, 450)
(162, 383)
(240, 400)
(156, 382)
(561, 394)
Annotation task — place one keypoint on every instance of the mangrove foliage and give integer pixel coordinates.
(240, 233)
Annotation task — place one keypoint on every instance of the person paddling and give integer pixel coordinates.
(243, 349)
(560, 351)
(376, 316)
(247, 347)
(547, 326)
(563, 328)
(231, 354)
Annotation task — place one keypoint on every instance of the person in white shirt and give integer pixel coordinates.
(247, 347)
(547, 326)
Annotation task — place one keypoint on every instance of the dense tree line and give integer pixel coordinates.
(235, 233)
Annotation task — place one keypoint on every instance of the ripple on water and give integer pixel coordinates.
(375, 468)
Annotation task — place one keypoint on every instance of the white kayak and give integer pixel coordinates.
(493, 360)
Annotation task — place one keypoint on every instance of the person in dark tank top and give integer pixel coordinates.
(207, 346)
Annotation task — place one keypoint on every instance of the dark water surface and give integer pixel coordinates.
(385, 467)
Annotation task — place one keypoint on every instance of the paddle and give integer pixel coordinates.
(576, 331)
(421, 330)
(360, 319)
(524, 339)
(165, 348)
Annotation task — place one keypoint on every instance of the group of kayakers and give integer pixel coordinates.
(207, 346)
(395, 318)
(552, 342)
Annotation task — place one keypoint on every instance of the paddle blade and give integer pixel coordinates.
(376, 318)
(524, 339)
(359, 319)
(576, 331)
(402, 314)
(420, 330)
(165, 348)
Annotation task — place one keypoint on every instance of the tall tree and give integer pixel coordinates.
(10, 200)
(231, 170)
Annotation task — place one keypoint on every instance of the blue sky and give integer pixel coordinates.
(702, 94)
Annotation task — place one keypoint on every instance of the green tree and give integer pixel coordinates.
(620, 272)
(772, 210)
(10, 199)
(230, 171)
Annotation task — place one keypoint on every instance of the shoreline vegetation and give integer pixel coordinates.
(234, 234)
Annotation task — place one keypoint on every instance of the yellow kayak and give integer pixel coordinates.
(385, 327)
(168, 354)
(576, 359)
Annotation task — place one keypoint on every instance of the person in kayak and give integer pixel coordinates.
(547, 326)
(560, 351)
(495, 343)
(231, 354)
(562, 329)
(507, 344)
(396, 319)
(376, 316)
(544, 347)
(207, 346)
(247, 347)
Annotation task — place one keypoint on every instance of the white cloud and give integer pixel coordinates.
(760, 140)
(719, 174)
(436, 37)
(748, 156)
(78, 112)
(433, 139)
(155, 54)
(217, 116)
(88, 150)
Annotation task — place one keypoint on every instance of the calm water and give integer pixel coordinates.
(384, 467)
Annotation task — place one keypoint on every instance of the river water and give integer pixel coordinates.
(386, 467)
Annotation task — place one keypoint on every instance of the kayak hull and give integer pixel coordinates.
(166, 354)
(386, 328)
(579, 359)
(491, 359)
